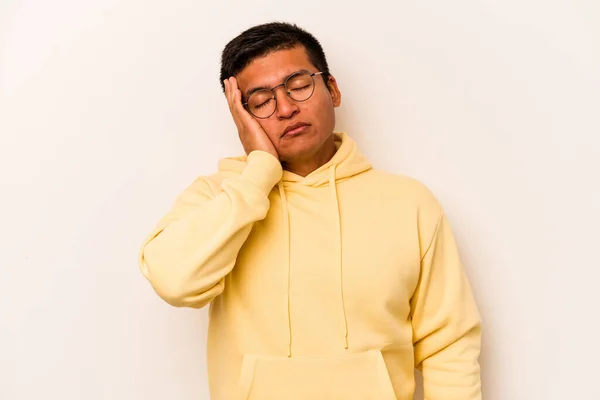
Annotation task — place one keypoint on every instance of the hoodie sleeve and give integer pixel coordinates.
(194, 246)
(445, 319)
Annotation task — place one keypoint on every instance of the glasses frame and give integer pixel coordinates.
(284, 84)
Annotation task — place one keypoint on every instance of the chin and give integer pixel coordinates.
(301, 147)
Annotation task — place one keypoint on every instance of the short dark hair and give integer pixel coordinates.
(260, 40)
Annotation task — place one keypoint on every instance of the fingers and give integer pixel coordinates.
(233, 95)
(235, 99)
(236, 94)
(228, 91)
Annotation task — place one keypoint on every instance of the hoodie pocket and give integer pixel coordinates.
(358, 376)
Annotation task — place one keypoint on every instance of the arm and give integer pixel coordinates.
(194, 246)
(446, 322)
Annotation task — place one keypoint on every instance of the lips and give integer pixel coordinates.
(294, 127)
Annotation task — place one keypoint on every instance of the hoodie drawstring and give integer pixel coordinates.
(286, 244)
(333, 186)
(287, 261)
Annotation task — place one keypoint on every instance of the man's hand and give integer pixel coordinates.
(252, 135)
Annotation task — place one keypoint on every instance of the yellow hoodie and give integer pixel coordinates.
(331, 286)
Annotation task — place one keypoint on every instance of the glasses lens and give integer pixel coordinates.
(300, 86)
(262, 103)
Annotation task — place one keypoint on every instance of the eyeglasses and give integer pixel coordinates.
(298, 86)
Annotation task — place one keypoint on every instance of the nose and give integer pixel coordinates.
(286, 107)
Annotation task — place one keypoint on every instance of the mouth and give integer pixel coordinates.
(295, 129)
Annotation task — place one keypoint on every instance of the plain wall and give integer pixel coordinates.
(108, 110)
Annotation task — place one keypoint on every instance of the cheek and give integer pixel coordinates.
(325, 113)
(272, 128)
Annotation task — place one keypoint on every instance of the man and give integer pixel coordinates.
(326, 278)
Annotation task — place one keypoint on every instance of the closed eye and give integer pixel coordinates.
(263, 104)
(300, 88)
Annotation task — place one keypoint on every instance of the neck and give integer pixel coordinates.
(308, 164)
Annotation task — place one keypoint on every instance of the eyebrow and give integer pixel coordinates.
(257, 88)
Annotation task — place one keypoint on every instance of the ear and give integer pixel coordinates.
(334, 91)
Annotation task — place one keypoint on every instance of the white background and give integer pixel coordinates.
(108, 110)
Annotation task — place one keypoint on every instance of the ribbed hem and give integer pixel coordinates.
(263, 170)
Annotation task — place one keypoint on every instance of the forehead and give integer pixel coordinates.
(272, 69)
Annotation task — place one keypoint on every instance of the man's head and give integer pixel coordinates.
(263, 57)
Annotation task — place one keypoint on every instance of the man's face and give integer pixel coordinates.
(317, 111)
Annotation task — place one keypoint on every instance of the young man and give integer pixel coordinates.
(326, 278)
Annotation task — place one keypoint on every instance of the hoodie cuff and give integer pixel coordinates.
(263, 170)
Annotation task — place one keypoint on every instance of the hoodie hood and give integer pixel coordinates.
(348, 161)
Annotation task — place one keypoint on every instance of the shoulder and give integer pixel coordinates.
(400, 188)
(408, 195)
